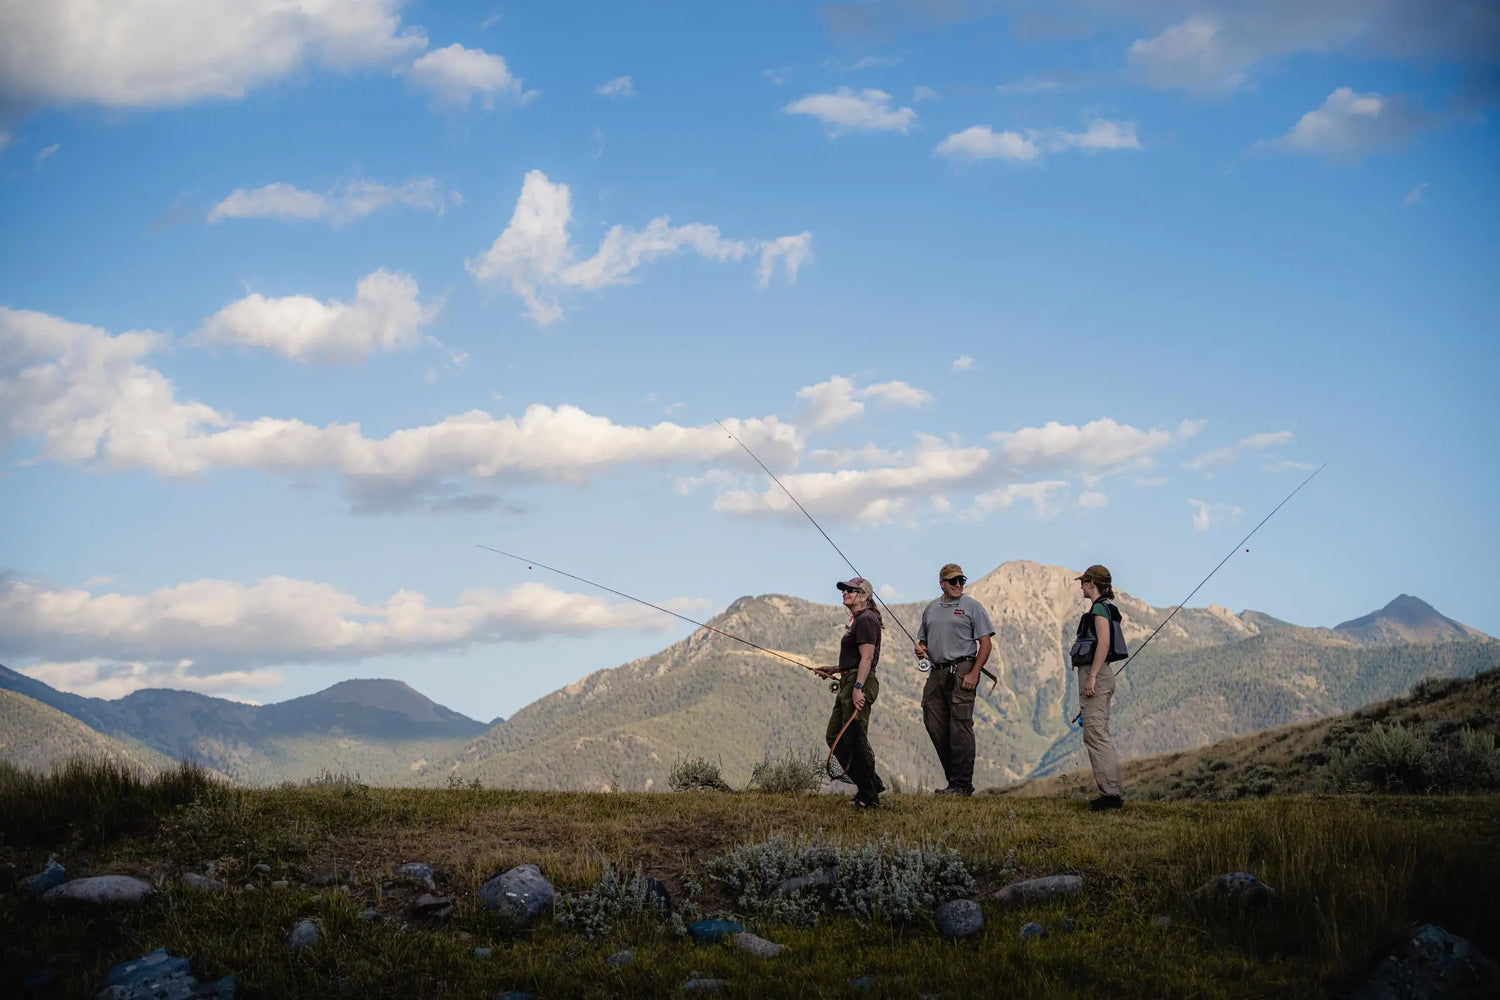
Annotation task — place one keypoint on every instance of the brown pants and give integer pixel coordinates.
(948, 713)
(1102, 757)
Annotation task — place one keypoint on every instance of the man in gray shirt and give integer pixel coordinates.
(955, 634)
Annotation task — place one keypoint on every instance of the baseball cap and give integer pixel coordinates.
(1095, 574)
(858, 583)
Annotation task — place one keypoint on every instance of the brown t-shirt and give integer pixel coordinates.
(865, 628)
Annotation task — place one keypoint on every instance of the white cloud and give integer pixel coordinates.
(846, 111)
(981, 142)
(1229, 453)
(88, 398)
(1039, 494)
(1194, 55)
(351, 201)
(962, 363)
(456, 76)
(1349, 125)
(46, 153)
(103, 678)
(385, 316)
(1414, 196)
(223, 633)
(922, 93)
(874, 62)
(534, 258)
(1099, 447)
(155, 53)
(1205, 515)
(619, 87)
(837, 401)
(1093, 499)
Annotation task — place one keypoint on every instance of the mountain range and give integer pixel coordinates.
(1209, 674)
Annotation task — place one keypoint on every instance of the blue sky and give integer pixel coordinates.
(301, 301)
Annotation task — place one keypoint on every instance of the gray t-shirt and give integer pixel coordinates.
(952, 629)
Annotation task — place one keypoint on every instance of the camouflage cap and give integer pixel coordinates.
(1095, 574)
(857, 583)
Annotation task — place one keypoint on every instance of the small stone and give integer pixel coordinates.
(758, 946)
(100, 890)
(1161, 920)
(430, 907)
(249, 886)
(1068, 927)
(418, 871)
(321, 881)
(210, 868)
(1029, 931)
(825, 877)
(482, 953)
(51, 876)
(709, 931)
(620, 958)
(959, 918)
(281, 883)
(260, 870)
(656, 895)
(863, 983)
(1238, 888)
(1432, 964)
(202, 883)
(371, 913)
(1037, 890)
(304, 935)
(518, 896)
(706, 985)
(160, 975)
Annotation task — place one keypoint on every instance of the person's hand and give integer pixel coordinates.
(921, 650)
(859, 699)
(824, 672)
(970, 680)
(1088, 687)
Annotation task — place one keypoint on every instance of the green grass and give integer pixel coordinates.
(1351, 871)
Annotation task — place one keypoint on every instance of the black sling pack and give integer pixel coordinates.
(1082, 653)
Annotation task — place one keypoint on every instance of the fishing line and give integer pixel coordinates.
(1189, 597)
(666, 611)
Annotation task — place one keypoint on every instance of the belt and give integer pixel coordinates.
(953, 663)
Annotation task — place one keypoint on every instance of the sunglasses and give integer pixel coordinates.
(957, 581)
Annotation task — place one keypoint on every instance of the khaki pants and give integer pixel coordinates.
(948, 714)
(1102, 756)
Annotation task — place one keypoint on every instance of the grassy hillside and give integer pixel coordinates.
(1296, 758)
(37, 737)
(1350, 873)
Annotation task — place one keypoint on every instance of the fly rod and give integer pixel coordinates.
(1205, 580)
(666, 611)
(830, 541)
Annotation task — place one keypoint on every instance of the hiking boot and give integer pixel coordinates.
(1106, 802)
(954, 790)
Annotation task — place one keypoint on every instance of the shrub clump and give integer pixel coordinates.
(875, 881)
(791, 773)
(613, 898)
(92, 801)
(1394, 758)
(696, 774)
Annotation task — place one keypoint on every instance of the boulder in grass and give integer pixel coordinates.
(51, 876)
(430, 907)
(620, 958)
(519, 896)
(304, 935)
(655, 895)
(160, 976)
(1431, 964)
(704, 985)
(1235, 889)
(709, 931)
(100, 890)
(1039, 890)
(1030, 931)
(959, 918)
(418, 871)
(202, 883)
(754, 944)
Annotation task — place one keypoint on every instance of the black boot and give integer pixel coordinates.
(1106, 802)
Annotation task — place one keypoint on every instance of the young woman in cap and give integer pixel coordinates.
(859, 652)
(1096, 682)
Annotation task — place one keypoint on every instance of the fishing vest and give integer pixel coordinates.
(1084, 641)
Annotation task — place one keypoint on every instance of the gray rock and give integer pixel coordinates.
(202, 883)
(1068, 927)
(1432, 964)
(100, 890)
(51, 876)
(1038, 890)
(418, 871)
(304, 935)
(756, 945)
(1161, 920)
(430, 907)
(959, 918)
(211, 868)
(160, 976)
(1236, 888)
(518, 896)
(656, 895)
(371, 913)
(281, 883)
(706, 985)
(261, 870)
(482, 952)
(709, 931)
(826, 877)
(863, 983)
(620, 959)
(1029, 931)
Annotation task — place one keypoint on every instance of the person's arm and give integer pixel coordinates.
(866, 657)
(1101, 652)
(971, 679)
(921, 647)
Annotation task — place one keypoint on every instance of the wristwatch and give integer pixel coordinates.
(858, 686)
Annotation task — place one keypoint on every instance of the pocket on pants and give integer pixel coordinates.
(963, 704)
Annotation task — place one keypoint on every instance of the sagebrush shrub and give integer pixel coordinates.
(791, 773)
(696, 774)
(613, 898)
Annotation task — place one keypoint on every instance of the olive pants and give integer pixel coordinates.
(1102, 757)
(948, 714)
(854, 752)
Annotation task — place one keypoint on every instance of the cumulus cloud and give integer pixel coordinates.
(219, 634)
(156, 53)
(1349, 125)
(385, 316)
(848, 111)
(89, 398)
(456, 77)
(1098, 448)
(1093, 499)
(619, 87)
(1039, 494)
(962, 363)
(981, 142)
(837, 401)
(351, 201)
(1206, 515)
(921, 93)
(1231, 453)
(534, 258)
